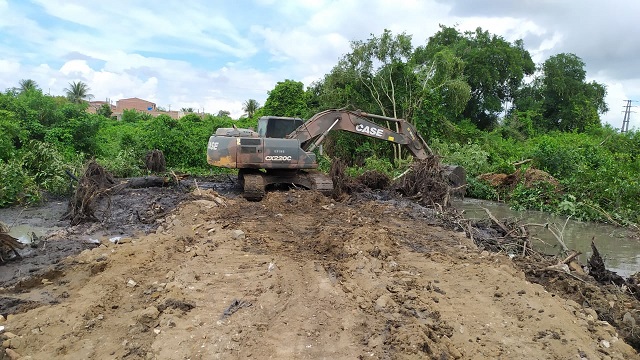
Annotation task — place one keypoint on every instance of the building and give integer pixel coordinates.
(94, 106)
(136, 104)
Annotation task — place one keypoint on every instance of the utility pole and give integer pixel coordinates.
(627, 116)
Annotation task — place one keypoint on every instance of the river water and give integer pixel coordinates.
(619, 247)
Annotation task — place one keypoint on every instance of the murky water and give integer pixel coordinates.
(619, 247)
(24, 223)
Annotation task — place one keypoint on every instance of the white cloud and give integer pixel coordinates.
(217, 55)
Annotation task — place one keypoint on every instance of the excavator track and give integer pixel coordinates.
(253, 186)
(321, 182)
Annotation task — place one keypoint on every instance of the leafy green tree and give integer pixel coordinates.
(28, 85)
(78, 92)
(11, 134)
(381, 66)
(105, 110)
(224, 113)
(493, 68)
(287, 98)
(568, 101)
(250, 107)
(187, 110)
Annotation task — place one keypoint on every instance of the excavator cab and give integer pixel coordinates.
(277, 127)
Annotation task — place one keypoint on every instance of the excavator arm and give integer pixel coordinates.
(313, 131)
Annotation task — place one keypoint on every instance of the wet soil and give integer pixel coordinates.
(201, 274)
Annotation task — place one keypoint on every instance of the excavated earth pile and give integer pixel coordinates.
(297, 276)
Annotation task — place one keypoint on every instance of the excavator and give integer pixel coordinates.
(281, 151)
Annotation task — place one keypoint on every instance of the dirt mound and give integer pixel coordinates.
(298, 275)
(529, 178)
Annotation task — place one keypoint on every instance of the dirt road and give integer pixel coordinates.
(296, 276)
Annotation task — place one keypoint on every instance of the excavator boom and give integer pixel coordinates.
(313, 131)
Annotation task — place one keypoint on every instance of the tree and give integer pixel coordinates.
(28, 85)
(187, 110)
(105, 110)
(385, 75)
(287, 98)
(380, 63)
(224, 113)
(78, 92)
(569, 102)
(493, 67)
(250, 107)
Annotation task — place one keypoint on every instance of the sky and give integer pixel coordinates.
(214, 55)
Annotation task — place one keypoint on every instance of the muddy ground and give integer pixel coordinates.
(201, 274)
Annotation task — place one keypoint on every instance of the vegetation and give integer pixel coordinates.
(464, 91)
(78, 92)
(250, 107)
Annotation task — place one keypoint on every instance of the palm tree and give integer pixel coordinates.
(250, 107)
(78, 92)
(28, 85)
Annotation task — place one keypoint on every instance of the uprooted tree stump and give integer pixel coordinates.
(427, 182)
(598, 270)
(8, 244)
(155, 162)
(91, 186)
(374, 180)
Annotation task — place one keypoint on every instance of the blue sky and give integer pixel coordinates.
(214, 55)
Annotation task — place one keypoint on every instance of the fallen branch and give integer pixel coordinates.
(496, 221)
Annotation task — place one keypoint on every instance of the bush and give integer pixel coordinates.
(16, 186)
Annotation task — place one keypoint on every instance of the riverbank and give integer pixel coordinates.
(299, 275)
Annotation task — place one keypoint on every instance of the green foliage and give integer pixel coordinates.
(480, 190)
(250, 107)
(287, 99)
(560, 98)
(105, 110)
(46, 165)
(16, 186)
(132, 116)
(78, 92)
(126, 163)
(471, 156)
(555, 156)
(28, 85)
(11, 135)
(191, 117)
(494, 69)
(382, 165)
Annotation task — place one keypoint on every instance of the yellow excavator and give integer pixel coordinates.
(281, 150)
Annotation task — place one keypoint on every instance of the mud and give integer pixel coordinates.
(206, 275)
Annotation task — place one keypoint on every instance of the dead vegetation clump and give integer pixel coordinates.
(427, 183)
(8, 244)
(374, 180)
(155, 162)
(91, 186)
(342, 183)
